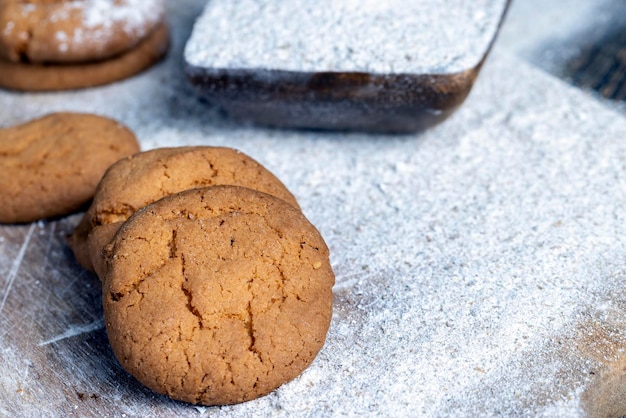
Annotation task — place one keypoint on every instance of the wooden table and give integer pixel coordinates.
(480, 265)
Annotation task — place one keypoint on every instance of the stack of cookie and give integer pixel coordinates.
(139, 180)
(63, 44)
(216, 288)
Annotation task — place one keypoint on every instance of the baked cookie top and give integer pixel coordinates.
(52, 165)
(73, 31)
(217, 295)
(141, 179)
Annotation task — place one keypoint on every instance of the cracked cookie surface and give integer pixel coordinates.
(56, 162)
(64, 31)
(141, 179)
(217, 295)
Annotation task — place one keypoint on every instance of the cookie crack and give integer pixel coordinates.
(204, 391)
(183, 378)
(249, 320)
(304, 244)
(276, 230)
(173, 249)
(166, 171)
(165, 178)
(190, 307)
(118, 296)
(134, 286)
(283, 283)
(189, 294)
(229, 368)
(249, 323)
(214, 171)
(112, 215)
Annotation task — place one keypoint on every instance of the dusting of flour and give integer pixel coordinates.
(133, 13)
(395, 36)
(101, 18)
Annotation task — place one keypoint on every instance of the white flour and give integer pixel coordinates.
(394, 36)
(134, 14)
(101, 20)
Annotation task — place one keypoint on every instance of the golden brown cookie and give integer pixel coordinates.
(63, 31)
(52, 77)
(217, 295)
(137, 181)
(52, 165)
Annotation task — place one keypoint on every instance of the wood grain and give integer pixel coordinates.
(480, 265)
(602, 65)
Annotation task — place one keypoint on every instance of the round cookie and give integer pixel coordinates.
(62, 31)
(217, 295)
(137, 181)
(52, 165)
(53, 77)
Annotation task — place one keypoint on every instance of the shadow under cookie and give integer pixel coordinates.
(54, 77)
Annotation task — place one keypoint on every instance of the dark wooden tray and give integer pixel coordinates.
(392, 103)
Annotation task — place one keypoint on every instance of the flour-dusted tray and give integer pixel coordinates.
(390, 66)
(480, 265)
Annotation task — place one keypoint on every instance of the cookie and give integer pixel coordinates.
(217, 295)
(52, 77)
(62, 31)
(52, 165)
(137, 181)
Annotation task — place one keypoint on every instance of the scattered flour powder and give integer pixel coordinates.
(473, 260)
